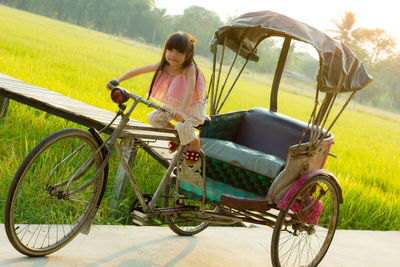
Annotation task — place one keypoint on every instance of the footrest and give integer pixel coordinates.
(243, 203)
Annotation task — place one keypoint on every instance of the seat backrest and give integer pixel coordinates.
(270, 132)
(224, 126)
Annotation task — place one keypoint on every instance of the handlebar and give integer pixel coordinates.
(120, 95)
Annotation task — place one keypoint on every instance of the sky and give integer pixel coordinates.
(317, 13)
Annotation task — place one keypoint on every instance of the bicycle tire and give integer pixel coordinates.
(178, 224)
(301, 242)
(40, 217)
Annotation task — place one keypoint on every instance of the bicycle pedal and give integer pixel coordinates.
(138, 218)
(178, 196)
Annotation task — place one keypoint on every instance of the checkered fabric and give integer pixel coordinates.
(223, 178)
(238, 177)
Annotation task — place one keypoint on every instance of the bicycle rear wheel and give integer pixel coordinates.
(46, 207)
(182, 224)
(304, 230)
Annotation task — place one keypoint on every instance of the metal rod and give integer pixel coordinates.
(123, 122)
(100, 169)
(318, 119)
(148, 136)
(240, 72)
(337, 116)
(212, 84)
(132, 180)
(326, 117)
(220, 70)
(111, 122)
(62, 162)
(278, 74)
(82, 169)
(160, 187)
(311, 117)
(227, 76)
(150, 129)
(233, 62)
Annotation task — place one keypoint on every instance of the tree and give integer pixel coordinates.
(201, 23)
(344, 27)
(377, 50)
(377, 42)
(167, 26)
(268, 52)
(158, 17)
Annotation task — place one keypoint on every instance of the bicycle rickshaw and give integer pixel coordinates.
(257, 166)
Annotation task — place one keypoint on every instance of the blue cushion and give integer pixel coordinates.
(243, 157)
(270, 132)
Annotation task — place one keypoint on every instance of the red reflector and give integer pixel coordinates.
(119, 95)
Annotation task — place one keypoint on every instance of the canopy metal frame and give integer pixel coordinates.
(317, 120)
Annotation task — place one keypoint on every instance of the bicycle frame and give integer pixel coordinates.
(111, 142)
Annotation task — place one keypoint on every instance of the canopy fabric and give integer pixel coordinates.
(339, 71)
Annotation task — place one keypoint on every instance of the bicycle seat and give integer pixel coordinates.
(206, 122)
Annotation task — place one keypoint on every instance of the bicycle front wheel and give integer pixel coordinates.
(54, 192)
(304, 230)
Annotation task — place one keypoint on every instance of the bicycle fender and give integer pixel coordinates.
(86, 229)
(282, 204)
(100, 141)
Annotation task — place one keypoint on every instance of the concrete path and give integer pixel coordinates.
(216, 246)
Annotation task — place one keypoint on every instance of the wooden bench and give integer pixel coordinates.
(89, 116)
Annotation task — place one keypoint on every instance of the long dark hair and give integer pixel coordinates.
(182, 42)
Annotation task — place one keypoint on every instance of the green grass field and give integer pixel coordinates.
(78, 63)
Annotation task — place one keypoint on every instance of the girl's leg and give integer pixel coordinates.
(187, 134)
(194, 117)
(195, 145)
(160, 119)
(170, 125)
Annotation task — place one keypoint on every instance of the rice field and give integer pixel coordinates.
(78, 62)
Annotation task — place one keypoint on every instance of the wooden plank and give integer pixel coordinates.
(85, 114)
(6, 77)
(27, 87)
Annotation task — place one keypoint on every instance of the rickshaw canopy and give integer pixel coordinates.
(339, 69)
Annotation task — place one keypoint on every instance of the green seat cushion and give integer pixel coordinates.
(243, 157)
(214, 190)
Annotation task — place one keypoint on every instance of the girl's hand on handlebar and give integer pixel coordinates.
(178, 116)
(112, 84)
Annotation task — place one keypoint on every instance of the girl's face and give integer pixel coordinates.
(175, 58)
